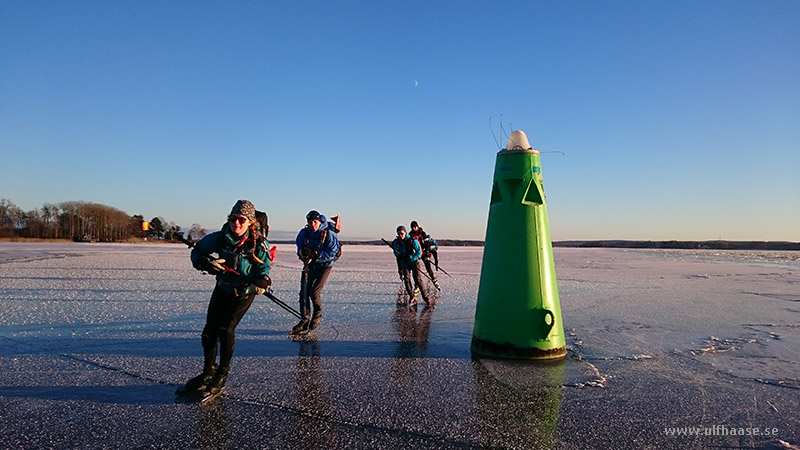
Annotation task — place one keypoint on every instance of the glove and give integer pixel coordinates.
(273, 251)
(306, 253)
(262, 285)
(212, 266)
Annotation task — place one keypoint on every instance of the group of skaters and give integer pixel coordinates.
(411, 248)
(242, 268)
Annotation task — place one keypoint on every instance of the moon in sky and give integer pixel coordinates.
(416, 83)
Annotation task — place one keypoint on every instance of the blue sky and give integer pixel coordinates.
(678, 120)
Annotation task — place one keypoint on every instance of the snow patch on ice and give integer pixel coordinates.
(716, 345)
(599, 380)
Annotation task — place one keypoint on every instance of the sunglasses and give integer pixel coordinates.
(240, 219)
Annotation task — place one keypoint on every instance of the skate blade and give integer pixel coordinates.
(305, 336)
(208, 396)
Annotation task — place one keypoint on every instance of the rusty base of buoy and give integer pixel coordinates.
(508, 351)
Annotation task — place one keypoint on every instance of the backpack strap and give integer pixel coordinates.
(256, 239)
(305, 237)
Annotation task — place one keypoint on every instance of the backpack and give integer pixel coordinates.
(334, 225)
(263, 223)
(330, 226)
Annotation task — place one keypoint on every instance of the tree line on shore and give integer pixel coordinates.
(85, 221)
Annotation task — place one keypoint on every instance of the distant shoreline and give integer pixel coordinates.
(612, 243)
(698, 245)
(707, 245)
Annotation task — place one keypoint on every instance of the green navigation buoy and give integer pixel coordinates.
(518, 315)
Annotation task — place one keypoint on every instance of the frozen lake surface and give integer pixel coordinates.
(702, 343)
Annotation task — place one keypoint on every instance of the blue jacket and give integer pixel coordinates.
(313, 240)
(406, 250)
(235, 251)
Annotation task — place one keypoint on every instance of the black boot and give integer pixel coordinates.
(300, 328)
(218, 381)
(199, 382)
(315, 320)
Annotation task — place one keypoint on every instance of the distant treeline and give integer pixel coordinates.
(83, 221)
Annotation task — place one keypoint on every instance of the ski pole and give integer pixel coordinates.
(283, 304)
(268, 294)
(437, 266)
(304, 288)
(189, 243)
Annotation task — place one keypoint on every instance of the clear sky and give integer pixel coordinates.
(677, 119)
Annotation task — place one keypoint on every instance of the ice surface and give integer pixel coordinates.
(96, 337)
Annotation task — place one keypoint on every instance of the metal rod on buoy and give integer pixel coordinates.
(518, 315)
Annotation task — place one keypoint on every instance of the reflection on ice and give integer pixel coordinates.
(508, 391)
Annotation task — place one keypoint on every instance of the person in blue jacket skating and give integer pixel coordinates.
(318, 248)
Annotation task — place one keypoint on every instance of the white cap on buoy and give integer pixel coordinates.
(518, 142)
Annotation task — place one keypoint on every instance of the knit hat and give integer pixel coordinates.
(244, 208)
(401, 228)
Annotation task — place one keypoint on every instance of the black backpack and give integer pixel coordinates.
(263, 222)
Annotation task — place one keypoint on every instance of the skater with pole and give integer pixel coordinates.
(318, 248)
(242, 271)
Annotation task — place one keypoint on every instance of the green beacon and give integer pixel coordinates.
(518, 315)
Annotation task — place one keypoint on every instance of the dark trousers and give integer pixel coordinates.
(225, 311)
(409, 270)
(311, 283)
